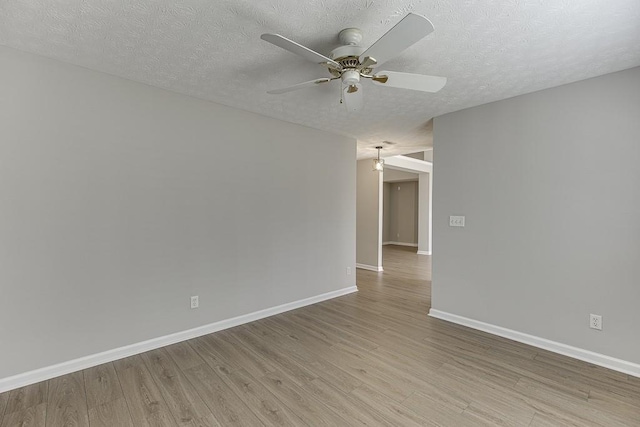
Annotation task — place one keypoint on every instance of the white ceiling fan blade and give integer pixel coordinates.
(298, 49)
(405, 33)
(299, 86)
(410, 81)
(352, 97)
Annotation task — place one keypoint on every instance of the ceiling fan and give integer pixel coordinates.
(351, 63)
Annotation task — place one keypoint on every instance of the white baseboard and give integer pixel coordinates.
(619, 365)
(70, 366)
(413, 245)
(424, 252)
(369, 267)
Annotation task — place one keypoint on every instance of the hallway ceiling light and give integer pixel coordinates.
(378, 164)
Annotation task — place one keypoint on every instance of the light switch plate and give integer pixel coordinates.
(456, 221)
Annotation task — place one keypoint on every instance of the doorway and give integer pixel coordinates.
(393, 208)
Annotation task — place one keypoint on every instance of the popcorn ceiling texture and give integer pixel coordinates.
(212, 50)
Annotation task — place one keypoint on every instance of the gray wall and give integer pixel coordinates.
(424, 213)
(419, 155)
(403, 212)
(120, 200)
(369, 215)
(549, 183)
(386, 212)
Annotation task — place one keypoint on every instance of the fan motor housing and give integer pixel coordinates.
(349, 63)
(350, 39)
(345, 52)
(348, 54)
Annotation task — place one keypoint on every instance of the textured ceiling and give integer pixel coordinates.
(212, 50)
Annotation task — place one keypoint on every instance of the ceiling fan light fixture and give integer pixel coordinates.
(350, 77)
(378, 164)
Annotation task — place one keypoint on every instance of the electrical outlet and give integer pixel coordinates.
(595, 321)
(195, 303)
(348, 271)
(456, 221)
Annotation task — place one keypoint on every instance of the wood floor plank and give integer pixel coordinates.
(437, 411)
(616, 404)
(348, 408)
(540, 420)
(261, 401)
(102, 385)
(331, 310)
(420, 364)
(26, 397)
(474, 381)
(558, 402)
(208, 352)
(186, 406)
(393, 382)
(311, 411)
(553, 420)
(32, 416)
(488, 400)
(391, 339)
(312, 361)
(336, 334)
(488, 372)
(498, 410)
(299, 336)
(146, 404)
(263, 348)
(125, 363)
(184, 355)
(443, 395)
(67, 401)
(227, 345)
(4, 400)
(110, 414)
(530, 368)
(368, 374)
(307, 337)
(387, 409)
(226, 406)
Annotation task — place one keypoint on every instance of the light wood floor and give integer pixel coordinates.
(370, 358)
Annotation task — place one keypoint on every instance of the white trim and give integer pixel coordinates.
(431, 212)
(380, 219)
(408, 164)
(424, 252)
(413, 245)
(369, 267)
(619, 365)
(74, 365)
